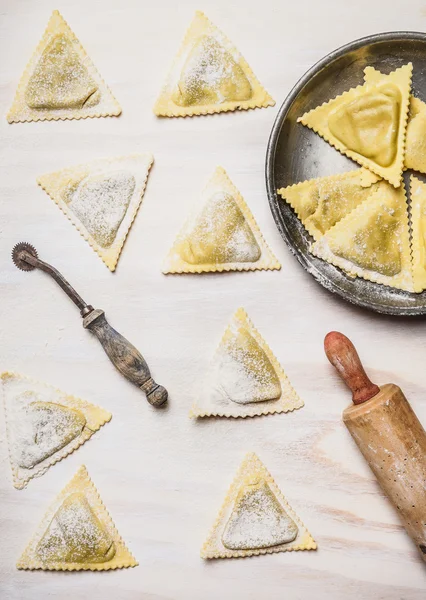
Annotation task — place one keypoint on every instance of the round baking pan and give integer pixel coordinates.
(295, 153)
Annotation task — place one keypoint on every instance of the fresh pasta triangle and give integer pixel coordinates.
(208, 76)
(244, 379)
(222, 236)
(368, 123)
(77, 533)
(44, 425)
(373, 240)
(323, 202)
(418, 226)
(255, 518)
(415, 143)
(101, 199)
(60, 81)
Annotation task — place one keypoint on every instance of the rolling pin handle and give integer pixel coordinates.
(342, 354)
(125, 357)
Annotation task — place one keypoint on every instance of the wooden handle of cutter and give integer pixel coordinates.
(342, 354)
(125, 357)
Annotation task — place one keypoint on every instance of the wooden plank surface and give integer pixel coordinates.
(162, 476)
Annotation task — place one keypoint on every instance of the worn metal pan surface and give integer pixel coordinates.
(295, 153)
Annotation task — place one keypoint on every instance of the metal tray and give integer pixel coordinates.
(295, 153)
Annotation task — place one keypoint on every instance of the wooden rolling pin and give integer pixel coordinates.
(389, 435)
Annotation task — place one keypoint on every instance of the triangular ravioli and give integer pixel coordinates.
(373, 240)
(44, 425)
(415, 142)
(222, 236)
(255, 518)
(77, 533)
(60, 81)
(415, 145)
(323, 202)
(244, 379)
(208, 76)
(101, 198)
(418, 225)
(368, 123)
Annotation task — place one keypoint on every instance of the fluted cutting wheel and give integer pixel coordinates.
(17, 256)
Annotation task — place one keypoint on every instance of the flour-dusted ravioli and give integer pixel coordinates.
(60, 81)
(208, 76)
(415, 145)
(222, 236)
(418, 228)
(255, 518)
(101, 198)
(44, 425)
(415, 142)
(244, 379)
(368, 123)
(77, 533)
(321, 203)
(373, 240)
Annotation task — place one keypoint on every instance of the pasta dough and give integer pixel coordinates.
(415, 152)
(244, 379)
(221, 236)
(255, 518)
(418, 223)
(44, 425)
(101, 199)
(209, 76)
(415, 144)
(77, 533)
(368, 123)
(323, 202)
(248, 527)
(373, 240)
(60, 81)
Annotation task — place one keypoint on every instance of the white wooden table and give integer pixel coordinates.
(161, 475)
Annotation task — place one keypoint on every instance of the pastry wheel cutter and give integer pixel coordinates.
(123, 355)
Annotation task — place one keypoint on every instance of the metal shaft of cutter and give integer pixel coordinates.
(60, 280)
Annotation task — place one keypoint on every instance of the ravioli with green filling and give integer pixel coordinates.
(368, 123)
(101, 198)
(373, 240)
(418, 229)
(220, 234)
(244, 378)
(211, 76)
(60, 81)
(77, 533)
(44, 425)
(257, 520)
(323, 202)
